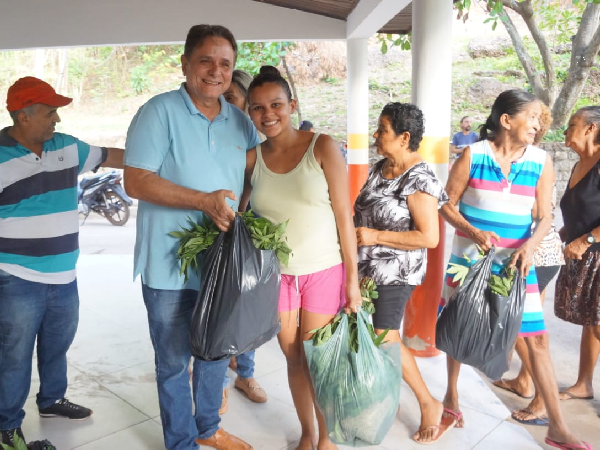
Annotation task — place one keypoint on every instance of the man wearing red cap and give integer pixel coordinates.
(39, 234)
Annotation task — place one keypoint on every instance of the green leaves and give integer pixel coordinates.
(501, 285)
(459, 271)
(268, 236)
(192, 242)
(198, 237)
(19, 444)
(368, 290)
(404, 41)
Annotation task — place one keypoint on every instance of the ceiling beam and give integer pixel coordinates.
(369, 16)
(68, 23)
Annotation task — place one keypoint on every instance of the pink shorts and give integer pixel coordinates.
(320, 292)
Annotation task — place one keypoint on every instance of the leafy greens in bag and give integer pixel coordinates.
(198, 237)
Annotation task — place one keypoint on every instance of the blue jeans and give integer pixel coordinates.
(28, 310)
(245, 367)
(169, 318)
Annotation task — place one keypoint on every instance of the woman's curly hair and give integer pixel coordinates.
(406, 117)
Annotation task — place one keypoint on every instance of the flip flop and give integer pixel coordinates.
(537, 420)
(502, 385)
(571, 396)
(457, 414)
(585, 445)
(445, 424)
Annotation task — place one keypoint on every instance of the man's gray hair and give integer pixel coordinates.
(29, 110)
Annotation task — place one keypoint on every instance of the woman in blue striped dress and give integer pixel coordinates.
(492, 190)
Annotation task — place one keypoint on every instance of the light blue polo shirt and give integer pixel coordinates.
(170, 137)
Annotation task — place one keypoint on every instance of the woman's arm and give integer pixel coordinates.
(334, 168)
(523, 257)
(424, 212)
(457, 184)
(250, 162)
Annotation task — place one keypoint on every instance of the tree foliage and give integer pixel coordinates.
(551, 23)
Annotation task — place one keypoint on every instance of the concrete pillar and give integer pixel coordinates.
(358, 115)
(431, 92)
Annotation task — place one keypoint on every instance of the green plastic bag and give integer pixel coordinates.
(357, 392)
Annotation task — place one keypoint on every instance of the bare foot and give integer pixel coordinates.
(534, 412)
(306, 443)
(516, 386)
(326, 445)
(566, 438)
(577, 391)
(431, 416)
(452, 404)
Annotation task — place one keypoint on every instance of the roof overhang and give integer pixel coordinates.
(63, 23)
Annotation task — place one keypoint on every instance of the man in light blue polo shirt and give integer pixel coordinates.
(185, 156)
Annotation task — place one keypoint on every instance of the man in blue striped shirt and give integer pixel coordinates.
(39, 246)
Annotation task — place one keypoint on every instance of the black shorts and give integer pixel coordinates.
(389, 306)
(545, 275)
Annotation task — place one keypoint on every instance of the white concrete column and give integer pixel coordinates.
(432, 77)
(358, 115)
(431, 92)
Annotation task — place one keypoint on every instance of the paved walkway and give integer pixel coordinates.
(112, 371)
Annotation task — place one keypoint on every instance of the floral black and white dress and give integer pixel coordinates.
(382, 205)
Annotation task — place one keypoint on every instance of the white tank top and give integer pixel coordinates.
(302, 197)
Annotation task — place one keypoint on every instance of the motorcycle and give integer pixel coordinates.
(104, 195)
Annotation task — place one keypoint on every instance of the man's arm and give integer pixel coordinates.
(149, 187)
(114, 158)
(455, 150)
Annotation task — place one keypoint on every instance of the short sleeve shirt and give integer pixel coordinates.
(39, 221)
(382, 205)
(460, 140)
(170, 137)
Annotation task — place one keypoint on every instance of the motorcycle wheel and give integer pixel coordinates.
(120, 214)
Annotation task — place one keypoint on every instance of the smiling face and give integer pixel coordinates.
(208, 70)
(270, 109)
(386, 140)
(523, 126)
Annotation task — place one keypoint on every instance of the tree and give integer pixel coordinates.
(253, 55)
(576, 22)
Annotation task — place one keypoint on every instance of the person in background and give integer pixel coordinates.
(463, 138)
(39, 247)
(547, 259)
(300, 176)
(243, 364)
(492, 189)
(306, 125)
(185, 157)
(577, 297)
(395, 218)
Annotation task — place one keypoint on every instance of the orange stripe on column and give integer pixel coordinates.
(420, 315)
(357, 175)
(435, 150)
(358, 140)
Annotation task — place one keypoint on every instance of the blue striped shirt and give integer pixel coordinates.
(39, 224)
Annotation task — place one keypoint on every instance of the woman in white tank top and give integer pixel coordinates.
(301, 176)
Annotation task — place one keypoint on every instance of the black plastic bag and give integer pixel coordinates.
(236, 309)
(478, 327)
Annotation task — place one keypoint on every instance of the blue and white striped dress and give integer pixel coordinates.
(493, 203)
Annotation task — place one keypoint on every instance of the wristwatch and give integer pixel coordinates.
(590, 239)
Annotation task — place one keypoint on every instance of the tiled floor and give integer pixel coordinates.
(112, 371)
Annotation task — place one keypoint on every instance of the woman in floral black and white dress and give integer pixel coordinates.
(396, 215)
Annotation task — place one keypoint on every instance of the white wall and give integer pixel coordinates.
(56, 23)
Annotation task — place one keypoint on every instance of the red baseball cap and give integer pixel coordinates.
(30, 90)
